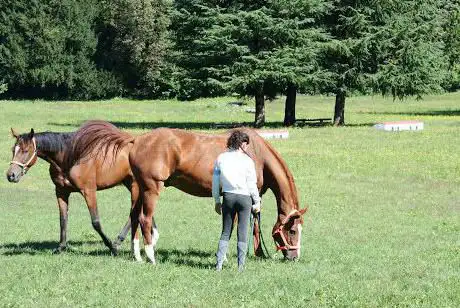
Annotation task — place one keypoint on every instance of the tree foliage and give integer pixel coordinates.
(133, 42)
(388, 47)
(252, 48)
(451, 30)
(47, 47)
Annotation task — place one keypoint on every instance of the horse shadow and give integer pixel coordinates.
(44, 247)
(186, 257)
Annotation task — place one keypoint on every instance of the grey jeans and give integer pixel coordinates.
(236, 204)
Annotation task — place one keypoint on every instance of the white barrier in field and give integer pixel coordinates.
(399, 125)
(273, 134)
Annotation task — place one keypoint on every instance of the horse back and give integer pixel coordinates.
(182, 159)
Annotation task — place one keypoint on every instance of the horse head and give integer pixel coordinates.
(24, 155)
(287, 234)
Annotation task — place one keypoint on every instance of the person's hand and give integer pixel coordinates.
(218, 208)
(256, 208)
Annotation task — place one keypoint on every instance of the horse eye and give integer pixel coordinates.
(291, 232)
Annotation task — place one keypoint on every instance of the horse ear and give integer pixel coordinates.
(14, 133)
(31, 134)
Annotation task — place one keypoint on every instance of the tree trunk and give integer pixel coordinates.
(339, 112)
(260, 108)
(289, 107)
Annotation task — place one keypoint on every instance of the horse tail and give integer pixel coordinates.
(95, 138)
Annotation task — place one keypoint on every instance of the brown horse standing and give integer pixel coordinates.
(95, 157)
(182, 159)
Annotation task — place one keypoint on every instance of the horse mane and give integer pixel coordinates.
(51, 141)
(284, 167)
(94, 138)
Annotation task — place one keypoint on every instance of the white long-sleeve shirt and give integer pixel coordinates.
(235, 172)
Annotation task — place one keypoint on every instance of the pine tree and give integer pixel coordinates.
(46, 50)
(451, 29)
(388, 47)
(134, 42)
(252, 48)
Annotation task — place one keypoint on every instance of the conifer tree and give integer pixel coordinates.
(133, 43)
(388, 47)
(252, 48)
(46, 50)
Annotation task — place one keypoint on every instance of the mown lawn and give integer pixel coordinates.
(383, 227)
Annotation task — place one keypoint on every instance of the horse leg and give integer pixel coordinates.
(155, 233)
(135, 244)
(122, 235)
(90, 198)
(150, 198)
(63, 204)
(134, 190)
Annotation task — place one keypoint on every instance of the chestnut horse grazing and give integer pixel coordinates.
(95, 157)
(185, 160)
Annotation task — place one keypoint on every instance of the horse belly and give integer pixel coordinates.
(190, 185)
(110, 178)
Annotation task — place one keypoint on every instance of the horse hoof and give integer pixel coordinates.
(116, 244)
(114, 252)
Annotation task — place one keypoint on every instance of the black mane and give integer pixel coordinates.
(50, 141)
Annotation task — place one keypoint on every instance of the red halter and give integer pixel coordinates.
(279, 230)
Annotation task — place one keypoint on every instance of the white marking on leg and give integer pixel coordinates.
(150, 253)
(299, 227)
(155, 236)
(136, 249)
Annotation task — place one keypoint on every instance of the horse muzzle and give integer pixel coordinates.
(291, 254)
(13, 176)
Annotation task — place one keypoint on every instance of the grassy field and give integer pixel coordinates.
(383, 227)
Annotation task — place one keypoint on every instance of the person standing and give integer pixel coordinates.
(235, 173)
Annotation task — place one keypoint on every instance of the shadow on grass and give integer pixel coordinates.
(33, 248)
(360, 125)
(187, 125)
(448, 113)
(188, 257)
(194, 258)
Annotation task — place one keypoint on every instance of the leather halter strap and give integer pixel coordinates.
(279, 230)
(25, 166)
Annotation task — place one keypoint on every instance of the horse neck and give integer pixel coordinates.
(51, 147)
(279, 179)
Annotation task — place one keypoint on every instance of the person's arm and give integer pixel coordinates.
(251, 181)
(216, 183)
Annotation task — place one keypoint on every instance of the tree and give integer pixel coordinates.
(451, 30)
(46, 50)
(252, 48)
(388, 47)
(133, 42)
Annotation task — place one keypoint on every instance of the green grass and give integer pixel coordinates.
(383, 227)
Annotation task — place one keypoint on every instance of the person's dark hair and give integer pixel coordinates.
(236, 139)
